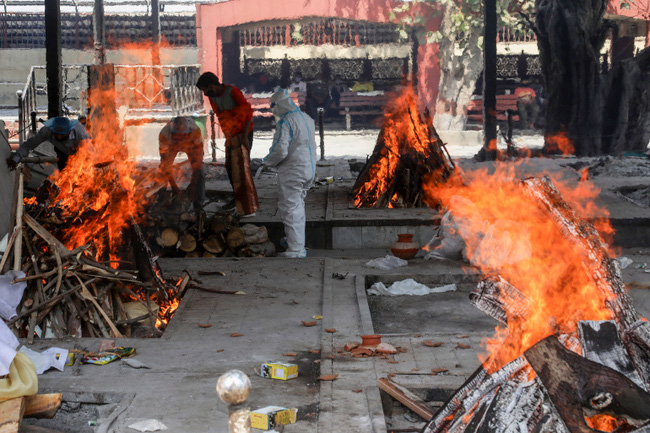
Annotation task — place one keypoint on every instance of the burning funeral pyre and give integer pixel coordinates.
(573, 355)
(408, 154)
(89, 270)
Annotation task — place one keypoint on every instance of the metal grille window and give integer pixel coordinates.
(23, 30)
(327, 31)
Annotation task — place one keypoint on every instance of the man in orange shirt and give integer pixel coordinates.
(183, 135)
(235, 116)
(526, 105)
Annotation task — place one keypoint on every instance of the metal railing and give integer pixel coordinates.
(147, 91)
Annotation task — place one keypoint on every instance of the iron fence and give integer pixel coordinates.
(144, 90)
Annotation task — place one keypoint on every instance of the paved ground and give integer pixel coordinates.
(179, 387)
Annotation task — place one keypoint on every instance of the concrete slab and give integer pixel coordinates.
(179, 388)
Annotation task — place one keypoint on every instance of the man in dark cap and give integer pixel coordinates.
(183, 135)
(65, 135)
(235, 116)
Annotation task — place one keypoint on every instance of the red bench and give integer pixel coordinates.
(358, 104)
(504, 103)
(262, 105)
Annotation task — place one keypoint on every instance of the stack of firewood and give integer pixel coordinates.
(70, 293)
(220, 235)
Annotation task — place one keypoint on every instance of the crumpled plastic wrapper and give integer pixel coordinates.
(148, 425)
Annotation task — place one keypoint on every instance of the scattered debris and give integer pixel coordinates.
(328, 377)
(148, 425)
(430, 343)
(439, 370)
(387, 263)
(406, 397)
(463, 346)
(269, 417)
(134, 363)
(204, 325)
(408, 287)
(308, 324)
(338, 276)
(280, 370)
(330, 330)
(236, 334)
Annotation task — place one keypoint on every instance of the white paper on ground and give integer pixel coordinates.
(624, 262)
(8, 344)
(387, 263)
(11, 294)
(408, 287)
(148, 425)
(52, 357)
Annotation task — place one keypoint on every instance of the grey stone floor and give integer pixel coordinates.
(179, 387)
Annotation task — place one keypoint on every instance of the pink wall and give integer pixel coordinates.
(639, 9)
(211, 17)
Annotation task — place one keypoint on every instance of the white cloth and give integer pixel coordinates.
(408, 287)
(43, 361)
(8, 344)
(294, 154)
(11, 294)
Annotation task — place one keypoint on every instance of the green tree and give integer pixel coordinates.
(460, 41)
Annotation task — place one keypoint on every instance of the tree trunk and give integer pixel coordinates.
(458, 75)
(627, 106)
(570, 35)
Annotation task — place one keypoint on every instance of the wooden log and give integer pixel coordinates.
(41, 405)
(86, 295)
(18, 246)
(208, 255)
(576, 384)
(53, 242)
(601, 343)
(406, 397)
(187, 243)
(168, 237)
(479, 384)
(637, 343)
(213, 244)
(254, 234)
(235, 238)
(517, 402)
(193, 255)
(218, 226)
(604, 271)
(219, 291)
(266, 249)
(11, 414)
(498, 298)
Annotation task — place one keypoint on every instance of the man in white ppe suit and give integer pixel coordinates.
(293, 153)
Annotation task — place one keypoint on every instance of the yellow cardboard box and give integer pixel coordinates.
(268, 417)
(279, 370)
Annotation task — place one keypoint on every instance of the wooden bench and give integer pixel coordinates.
(262, 105)
(504, 103)
(359, 104)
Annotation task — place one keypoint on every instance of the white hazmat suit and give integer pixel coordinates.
(294, 154)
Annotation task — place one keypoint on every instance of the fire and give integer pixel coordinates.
(602, 422)
(406, 155)
(508, 234)
(559, 142)
(99, 195)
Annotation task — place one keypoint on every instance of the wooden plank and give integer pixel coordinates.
(406, 397)
(40, 405)
(11, 415)
(574, 383)
(601, 343)
(46, 236)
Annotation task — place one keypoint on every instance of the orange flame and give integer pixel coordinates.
(602, 422)
(508, 234)
(403, 134)
(559, 142)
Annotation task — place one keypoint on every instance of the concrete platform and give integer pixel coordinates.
(179, 387)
